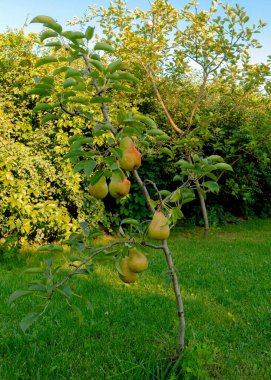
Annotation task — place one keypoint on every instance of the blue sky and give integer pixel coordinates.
(13, 13)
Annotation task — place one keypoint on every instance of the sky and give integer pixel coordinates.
(13, 14)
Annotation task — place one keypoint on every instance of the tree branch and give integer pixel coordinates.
(160, 100)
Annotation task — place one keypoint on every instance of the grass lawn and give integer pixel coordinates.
(132, 329)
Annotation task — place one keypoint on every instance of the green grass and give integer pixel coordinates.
(132, 329)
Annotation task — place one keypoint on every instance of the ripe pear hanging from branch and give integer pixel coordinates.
(137, 262)
(131, 158)
(159, 228)
(119, 187)
(127, 275)
(100, 189)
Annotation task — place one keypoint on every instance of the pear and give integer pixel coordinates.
(100, 189)
(158, 228)
(128, 276)
(137, 262)
(131, 158)
(118, 188)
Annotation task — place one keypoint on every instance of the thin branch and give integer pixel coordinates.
(73, 113)
(160, 100)
(145, 244)
(201, 90)
(147, 181)
(103, 105)
(87, 260)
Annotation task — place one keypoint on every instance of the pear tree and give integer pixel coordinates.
(164, 42)
(81, 78)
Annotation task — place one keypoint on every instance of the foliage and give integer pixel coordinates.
(41, 198)
(82, 92)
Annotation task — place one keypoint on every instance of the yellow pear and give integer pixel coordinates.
(100, 189)
(128, 276)
(137, 262)
(118, 188)
(131, 158)
(158, 228)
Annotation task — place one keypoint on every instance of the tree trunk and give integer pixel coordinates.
(178, 297)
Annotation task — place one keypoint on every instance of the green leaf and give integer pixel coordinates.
(176, 214)
(100, 99)
(131, 221)
(177, 178)
(155, 132)
(215, 158)
(54, 44)
(97, 64)
(211, 175)
(79, 167)
(116, 152)
(81, 100)
(114, 66)
(164, 193)
(223, 166)
(48, 117)
(176, 196)
(73, 153)
(54, 26)
(60, 70)
(49, 22)
(96, 177)
(27, 321)
(39, 91)
(163, 138)
(71, 72)
(188, 195)
(47, 34)
(34, 270)
(89, 167)
(42, 107)
(42, 20)
(212, 186)
(182, 162)
(38, 288)
(167, 151)
(146, 120)
(46, 60)
(70, 35)
(18, 294)
(69, 82)
(51, 248)
(104, 46)
(89, 33)
(127, 76)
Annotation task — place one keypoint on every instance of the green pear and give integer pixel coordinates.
(118, 188)
(158, 228)
(128, 276)
(131, 158)
(137, 262)
(100, 189)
